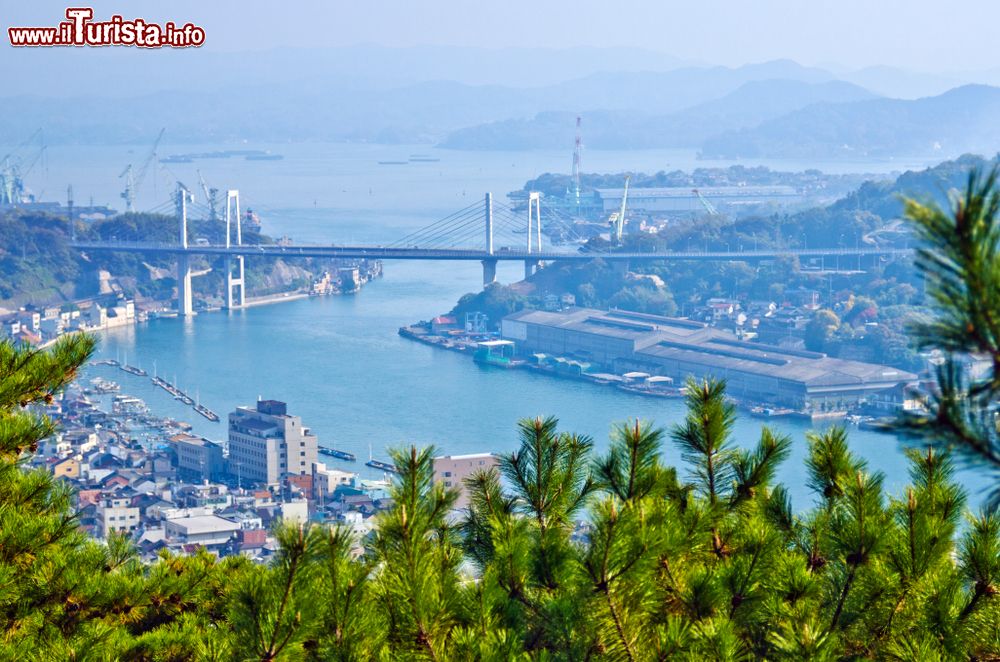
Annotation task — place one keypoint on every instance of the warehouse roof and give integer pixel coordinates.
(658, 339)
(707, 191)
(204, 524)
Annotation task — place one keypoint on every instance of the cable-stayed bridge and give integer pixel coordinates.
(488, 232)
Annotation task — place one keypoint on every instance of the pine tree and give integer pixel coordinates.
(960, 261)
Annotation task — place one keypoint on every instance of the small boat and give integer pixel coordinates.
(770, 412)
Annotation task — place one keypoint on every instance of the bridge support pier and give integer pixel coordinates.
(530, 267)
(235, 282)
(489, 272)
(185, 300)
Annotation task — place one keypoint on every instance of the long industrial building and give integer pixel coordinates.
(684, 199)
(621, 341)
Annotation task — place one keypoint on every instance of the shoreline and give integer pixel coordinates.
(280, 297)
(755, 411)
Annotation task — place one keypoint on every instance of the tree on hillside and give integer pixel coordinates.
(820, 329)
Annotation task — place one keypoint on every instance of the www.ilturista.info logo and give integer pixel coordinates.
(80, 30)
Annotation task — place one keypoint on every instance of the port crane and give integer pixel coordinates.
(617, 219)
(211, 197)
(577, 163)
(709, 207)
(13, 169)
(134, 181)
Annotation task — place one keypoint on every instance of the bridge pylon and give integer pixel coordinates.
(185, 299)
(489, 265)
(489, 223)
(534, 228)
(234, 282)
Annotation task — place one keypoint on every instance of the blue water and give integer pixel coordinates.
(339, 362)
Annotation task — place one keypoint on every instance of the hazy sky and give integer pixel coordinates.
(928, 35)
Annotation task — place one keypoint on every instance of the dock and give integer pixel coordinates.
(132, 370)
(186, 399)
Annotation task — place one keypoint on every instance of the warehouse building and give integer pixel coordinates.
(621, 341)
(684, 199)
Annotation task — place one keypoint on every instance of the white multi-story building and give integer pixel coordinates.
(117, 514)
(266, 444)
(452, 470)
(327, 479)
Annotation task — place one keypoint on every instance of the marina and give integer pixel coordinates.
(106, 386)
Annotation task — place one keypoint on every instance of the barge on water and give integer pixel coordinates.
(340, 455)
(382, 466)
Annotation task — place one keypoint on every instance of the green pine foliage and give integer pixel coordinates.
(960, 260)
(564, 554)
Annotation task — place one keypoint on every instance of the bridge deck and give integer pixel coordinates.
(384, 253)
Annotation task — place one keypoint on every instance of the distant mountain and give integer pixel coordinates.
(902, 84)
(958, 121)
(69, 72)
(746, 106)
(313, 103)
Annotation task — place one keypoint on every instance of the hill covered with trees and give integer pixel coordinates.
(38, 266)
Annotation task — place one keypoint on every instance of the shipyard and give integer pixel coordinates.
(656, 355)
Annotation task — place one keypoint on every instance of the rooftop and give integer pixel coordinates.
(707, 191)
(658, 339)
(204, 524)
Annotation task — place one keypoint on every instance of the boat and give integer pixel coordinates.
(393, 162)
(770, 412)
(340, 455)
(99, 385)
(879, 424)
(383, 466)
(654, 391)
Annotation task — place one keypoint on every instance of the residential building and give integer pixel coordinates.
(326, 480)
(116, 513)
(452, 470)
(205, 530)
(267, 444)
(198, 457)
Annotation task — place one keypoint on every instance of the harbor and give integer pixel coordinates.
(105, 386)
